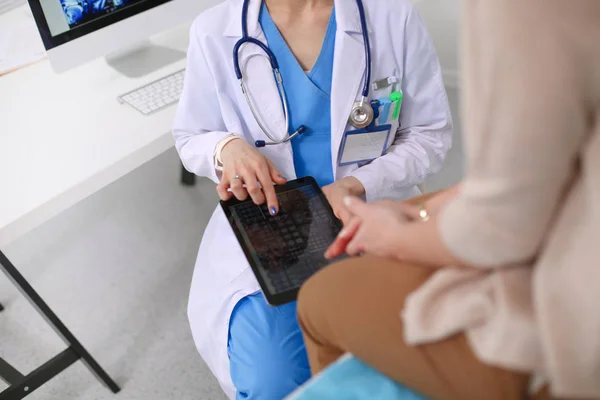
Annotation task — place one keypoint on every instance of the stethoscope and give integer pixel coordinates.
(362, 113)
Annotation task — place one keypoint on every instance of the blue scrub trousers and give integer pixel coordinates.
(267, 356)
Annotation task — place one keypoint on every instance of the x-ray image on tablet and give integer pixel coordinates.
(287, 249)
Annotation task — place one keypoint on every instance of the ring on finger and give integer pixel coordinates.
(236, 177)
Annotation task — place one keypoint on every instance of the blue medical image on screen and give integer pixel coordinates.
(78, 12)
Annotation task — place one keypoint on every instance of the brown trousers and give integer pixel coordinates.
(354, 306)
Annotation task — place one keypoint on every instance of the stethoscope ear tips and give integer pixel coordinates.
(260, 143)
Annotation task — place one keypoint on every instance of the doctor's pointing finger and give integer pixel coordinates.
(348, 92)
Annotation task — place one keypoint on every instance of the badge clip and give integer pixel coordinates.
(384, 83)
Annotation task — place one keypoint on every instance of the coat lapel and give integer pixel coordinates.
(348, 71)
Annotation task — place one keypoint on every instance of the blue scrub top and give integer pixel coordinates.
(308, 96)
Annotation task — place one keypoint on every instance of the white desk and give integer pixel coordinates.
(64, 137)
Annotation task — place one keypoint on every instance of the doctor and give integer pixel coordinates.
(346, 92)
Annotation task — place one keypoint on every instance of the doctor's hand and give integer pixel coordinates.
(248, 173)
(374, 228)
(338, 191)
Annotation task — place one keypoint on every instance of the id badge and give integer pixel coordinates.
(364, 145)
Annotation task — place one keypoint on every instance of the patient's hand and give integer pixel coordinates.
(374, 228)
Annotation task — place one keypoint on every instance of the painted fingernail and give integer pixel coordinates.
(347, 200)
(273, 210)
(343, 233)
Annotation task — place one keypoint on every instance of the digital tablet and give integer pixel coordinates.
(287, 249)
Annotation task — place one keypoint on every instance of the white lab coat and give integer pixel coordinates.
(212, 105)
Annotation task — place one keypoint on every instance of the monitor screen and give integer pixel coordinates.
(65, 15)
(60, 21)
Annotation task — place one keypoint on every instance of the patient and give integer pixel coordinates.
(488, 290)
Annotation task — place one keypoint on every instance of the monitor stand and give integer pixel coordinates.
(143, 59)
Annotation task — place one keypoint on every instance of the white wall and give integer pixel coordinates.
(443, 21)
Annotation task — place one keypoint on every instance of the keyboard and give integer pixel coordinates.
(156, 95)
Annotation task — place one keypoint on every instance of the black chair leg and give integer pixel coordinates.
(52, 319)
(8, 374)
(187, 178)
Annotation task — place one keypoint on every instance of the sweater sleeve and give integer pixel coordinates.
(525, 124)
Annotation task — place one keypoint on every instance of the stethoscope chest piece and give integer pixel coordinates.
(361, 115)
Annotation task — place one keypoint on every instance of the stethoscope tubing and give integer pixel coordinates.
(367, 45)
(246, 39)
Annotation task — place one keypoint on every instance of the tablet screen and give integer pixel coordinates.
(288, 248)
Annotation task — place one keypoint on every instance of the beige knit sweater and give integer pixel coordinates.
(529, 211)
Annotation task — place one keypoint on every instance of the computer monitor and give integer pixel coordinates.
(77, 31)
